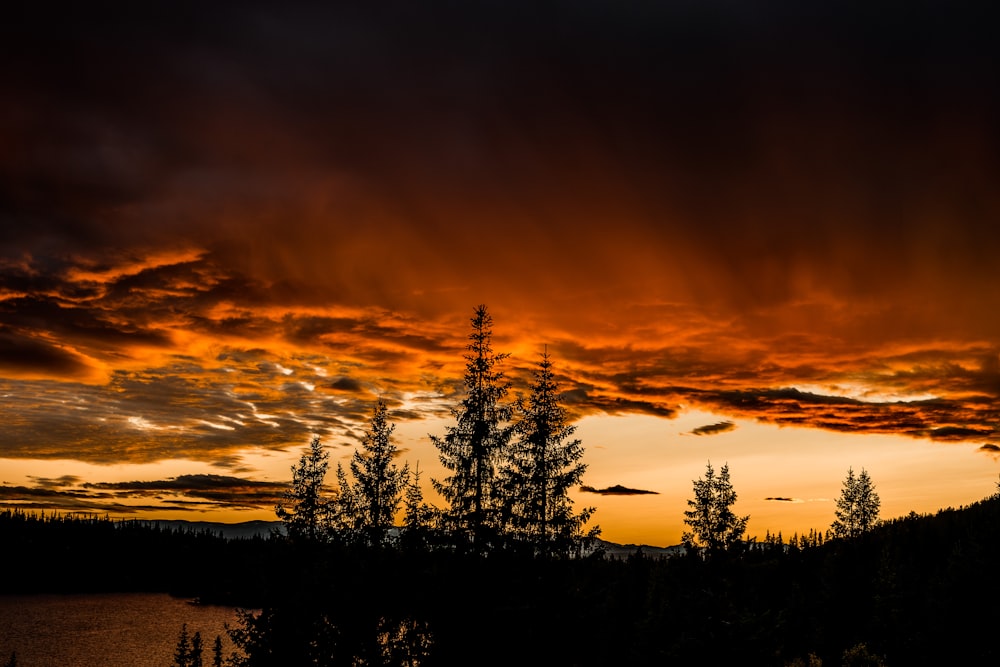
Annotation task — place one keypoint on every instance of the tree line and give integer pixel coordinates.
(368, 573)
(716, 530)
(508, 522)
(510, 466)
(907, 592)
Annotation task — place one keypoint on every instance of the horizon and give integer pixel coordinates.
(761, 236)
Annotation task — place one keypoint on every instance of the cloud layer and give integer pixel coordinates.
(617, 490)
(230, 227)
(185, 493)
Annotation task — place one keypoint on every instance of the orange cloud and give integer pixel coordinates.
(249, 247)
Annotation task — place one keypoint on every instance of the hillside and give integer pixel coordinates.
(912, 591)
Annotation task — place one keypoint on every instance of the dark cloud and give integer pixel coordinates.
(32, 492)
(347, 384)
(20, 353)
(713, 429)
(211, 490)
(620, 405)
(782, 500)
(186, 483)
(160, 414)
(959, 433)
(930, 418)
(786, 397)
(755, 200)
(50, 499)
(581, 400)
(617, 490)
(90, 327)
(473, 90)
(55, 483)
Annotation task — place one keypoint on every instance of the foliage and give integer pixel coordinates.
(128, 555)
(472, 449)
(290, 636)
(308, 634)
(910, 589)
(196, 651)
(217, 652)
(714, 525)
(306, 512)
(188, 652)
(903, 588)
(407, 643)
(857, 507)
(343, 512)
(543, 464)
(419, 518)
(182, 653)
(378, 483)
(859, 656)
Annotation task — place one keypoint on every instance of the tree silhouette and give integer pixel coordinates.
(182, 653)
(859, 655)
(406, 643)
(857, 507)
(195, 659)
(306, 515)
(543, 465)
(472, 448)
(217, 652)
(418, 517)
(378, 482)
(714, 526)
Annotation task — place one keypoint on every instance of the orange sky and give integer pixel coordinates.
(225, 229)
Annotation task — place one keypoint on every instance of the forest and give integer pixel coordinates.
(908, 592)
(365, 572)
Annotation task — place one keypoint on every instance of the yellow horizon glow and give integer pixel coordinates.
(646, 453)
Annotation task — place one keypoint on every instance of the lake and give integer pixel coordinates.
(112, 630)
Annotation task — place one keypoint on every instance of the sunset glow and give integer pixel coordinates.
(757, 239)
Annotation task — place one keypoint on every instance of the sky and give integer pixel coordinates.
(761, 234)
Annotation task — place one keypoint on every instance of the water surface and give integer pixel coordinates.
(112, 630)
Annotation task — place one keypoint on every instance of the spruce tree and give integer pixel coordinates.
(543, 465)
(182, 652)
(344, 514)
(472, 449)
(418, 517)
(714, 525)
(378, 482)
(857, 507)
(217, 652)
(195, 659)
(305, 510)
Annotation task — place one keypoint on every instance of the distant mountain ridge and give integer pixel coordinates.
(613, 550)
(251, 529)
(241, 530)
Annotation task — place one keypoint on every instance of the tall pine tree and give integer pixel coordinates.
(305, 511)
(857, 507)
(472, 449)
(195, 659)
(543, 465)
(714, 525)
(182, 652)
(378, 482)
(217, 652)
